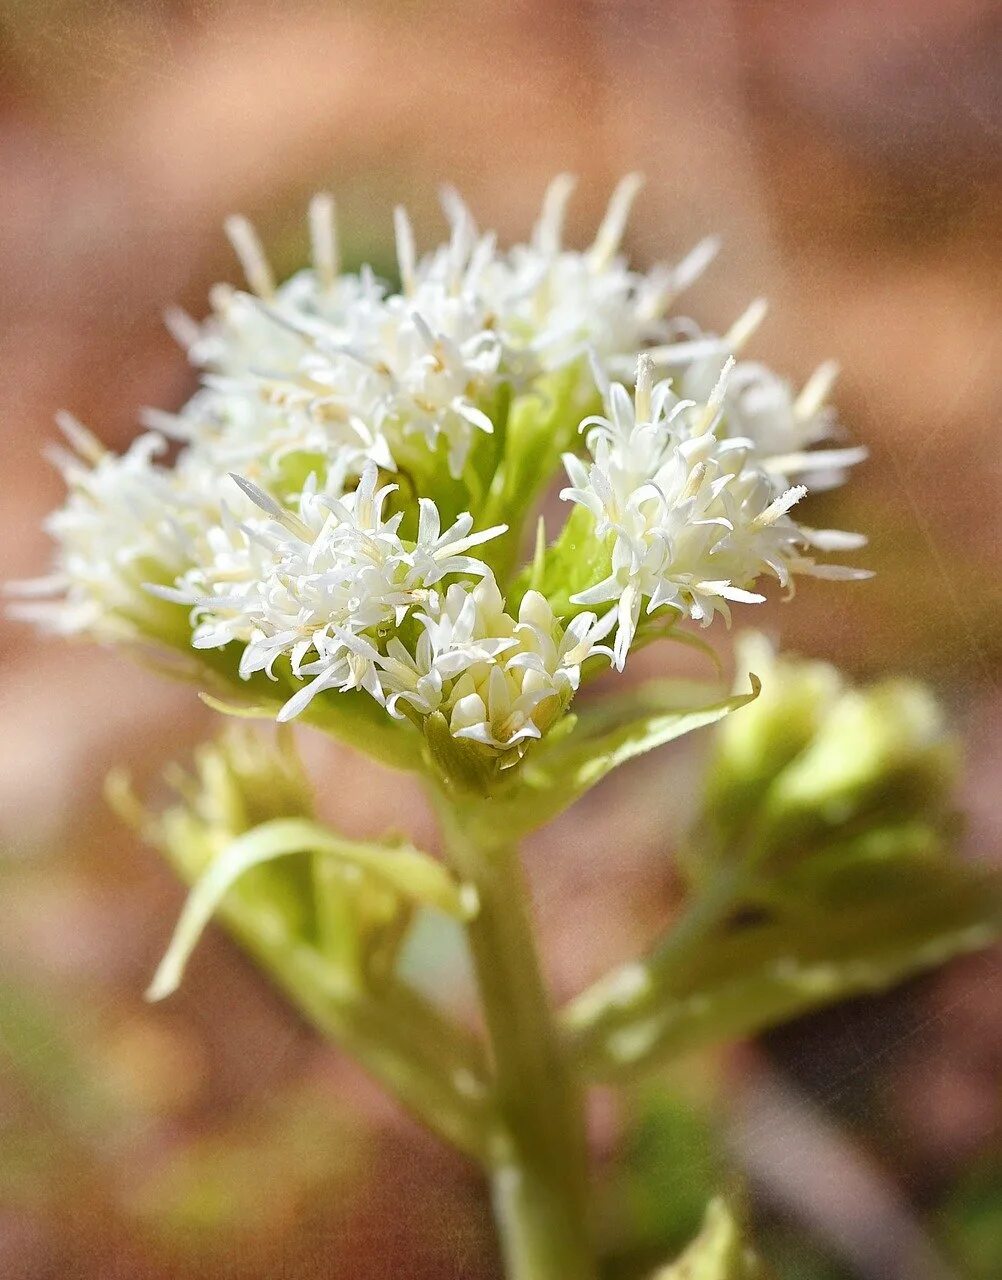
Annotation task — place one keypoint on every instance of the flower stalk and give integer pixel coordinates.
(538, 1165)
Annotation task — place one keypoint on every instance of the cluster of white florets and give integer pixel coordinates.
(365, 430)
(693, 516)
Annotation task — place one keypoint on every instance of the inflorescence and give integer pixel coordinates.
(353, 476)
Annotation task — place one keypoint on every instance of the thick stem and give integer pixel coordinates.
(539, 1166)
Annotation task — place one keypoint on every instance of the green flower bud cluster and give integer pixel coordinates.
(817, 769)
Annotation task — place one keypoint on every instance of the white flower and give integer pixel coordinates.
(316, 392)
(323, 587)
(428, 366)
(126, 521)
(782, 427)
(268, 331)
(692, 521)
(515, 698)
(556, 304)
(499, 680)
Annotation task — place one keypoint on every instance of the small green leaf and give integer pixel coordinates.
(608, 735)
(407, 871)
(719, 1252)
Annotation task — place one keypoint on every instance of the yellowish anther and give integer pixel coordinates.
(696, 476)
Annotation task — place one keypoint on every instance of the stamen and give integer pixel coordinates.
(406, 253)
(610, 233)
(182, 327)
(746, 324)
(323, 238)
(779, 507)
(816, 390)
(717, 394)
(268, 504)
(547, 234)
(692, 484)
(247, 246)
(83, 441)
(694, 263)
(645, 387)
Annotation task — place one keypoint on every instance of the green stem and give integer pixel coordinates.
(628, 996)
(539, 1163)
(337, 930)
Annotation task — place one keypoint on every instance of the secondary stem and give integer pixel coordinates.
(628, 996)
(400, 1040)
(539, 1169)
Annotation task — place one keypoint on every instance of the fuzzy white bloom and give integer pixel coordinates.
(329, 361)
(693, 522)
(126, 521)
(318, 393)
(552, 304)
(499, 680)
(267, 331)
(320, 586)
(783, 426)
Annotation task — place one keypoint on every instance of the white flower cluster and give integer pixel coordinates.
(334, 361)
(693, 517)
(126, 521)
(366, 433)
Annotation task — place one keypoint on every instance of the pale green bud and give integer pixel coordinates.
(884, 745)
(815, 768)
(755, 745)
(238, 781)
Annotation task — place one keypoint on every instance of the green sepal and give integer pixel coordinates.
(719, 1252)
(575, 560)
(402, 869)
(606, 735)
(353, 717)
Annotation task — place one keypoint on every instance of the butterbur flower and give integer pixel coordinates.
(693, 522)
(356, 468)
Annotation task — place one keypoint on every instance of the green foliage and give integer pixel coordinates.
(970, 1222)
(866, 933)
(609, 734)
(400, 870)
(719, 1252)
(820, 869)
(671, 1165)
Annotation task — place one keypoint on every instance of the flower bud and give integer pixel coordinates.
(755, 745)
(815, 767)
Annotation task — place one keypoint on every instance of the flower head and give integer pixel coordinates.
(692, 522)
(333, 518)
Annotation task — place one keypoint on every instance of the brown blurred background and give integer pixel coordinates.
(848, 152)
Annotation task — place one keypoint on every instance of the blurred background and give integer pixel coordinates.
(848, 153)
